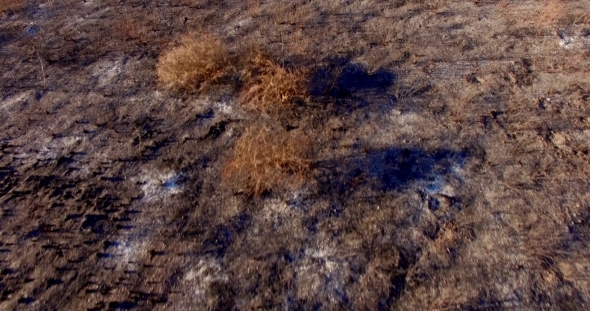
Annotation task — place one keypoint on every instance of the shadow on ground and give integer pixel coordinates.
(350, 86)
(385, 170)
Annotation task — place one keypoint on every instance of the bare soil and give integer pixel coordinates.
(450, 158)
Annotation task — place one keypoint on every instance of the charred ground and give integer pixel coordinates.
(449, 158)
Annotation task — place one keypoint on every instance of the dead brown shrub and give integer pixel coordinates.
(195, 64)
(266, 157)
(269, 86)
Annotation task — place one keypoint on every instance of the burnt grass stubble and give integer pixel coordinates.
(111, 197)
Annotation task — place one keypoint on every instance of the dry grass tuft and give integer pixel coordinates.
(266, 157)
(195, 64)
(270, 87)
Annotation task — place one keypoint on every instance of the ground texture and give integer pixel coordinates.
(450, 158)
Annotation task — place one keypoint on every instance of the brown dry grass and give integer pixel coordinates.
(253, 7)
(199, 61)
(131, 30)
(266, 157)
(269, 86)
(550, 13)
(542, 17)
(10, 5)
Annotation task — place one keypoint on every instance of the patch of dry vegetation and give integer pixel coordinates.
(131, 30)
(201, 60)
(10, 5)
(198, 62)
(550, 13)
(541, 17)
(266, 157)
(253, 7)
(270, 87)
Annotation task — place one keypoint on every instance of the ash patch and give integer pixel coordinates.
(322, 276)
(158, 186)
(203, 287)
(125, 254)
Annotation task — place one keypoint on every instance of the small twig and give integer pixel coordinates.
(42, 69)
(138, 141)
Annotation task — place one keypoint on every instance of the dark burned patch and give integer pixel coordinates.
(222, 236)
(149, 136)
(8, 180)
(8, 35)
(26, 300)
(522, 72)
(94, 223)
(122, 305)
(200, 119)
(149, 127)
(216, 130)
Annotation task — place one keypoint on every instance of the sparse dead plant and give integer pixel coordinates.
(269, 86)
(382, 31)
(199, 61)
(131, 30)
(266, 157)
(31, 43)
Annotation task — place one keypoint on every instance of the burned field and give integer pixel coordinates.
(330, 155)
